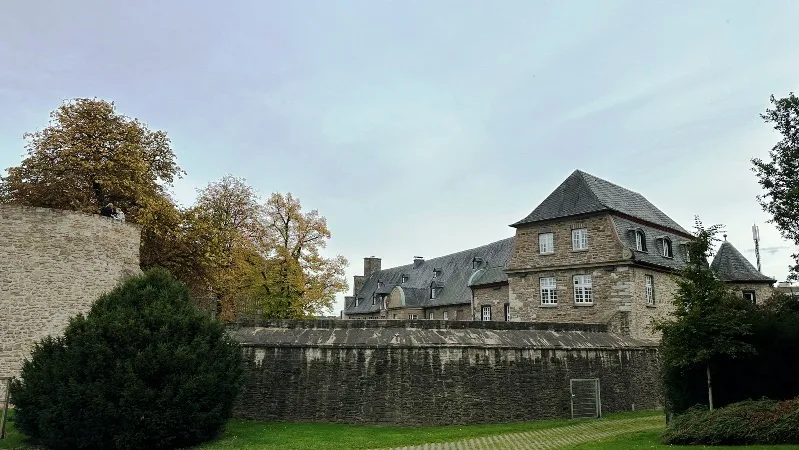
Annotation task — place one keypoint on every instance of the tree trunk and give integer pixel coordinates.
(709, 387)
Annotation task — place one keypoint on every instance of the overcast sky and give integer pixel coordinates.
(426, 127)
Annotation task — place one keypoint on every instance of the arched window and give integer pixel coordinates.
(640, 240)
(667, 248)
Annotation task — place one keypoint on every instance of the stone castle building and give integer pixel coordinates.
(591, 252)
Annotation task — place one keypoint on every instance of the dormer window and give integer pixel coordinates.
(379, 284)
(436, 272)
(404, 278)
(476, 262)
(640, 240)
(667, 252)
(356, 301)
(374, 299)
(432, 293)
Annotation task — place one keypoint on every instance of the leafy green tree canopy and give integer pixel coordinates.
(779, 175)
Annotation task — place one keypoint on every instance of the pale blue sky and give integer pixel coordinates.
(426, 127)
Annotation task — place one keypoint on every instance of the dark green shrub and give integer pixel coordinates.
(743, 423)
(143, 369)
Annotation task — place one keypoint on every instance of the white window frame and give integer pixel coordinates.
(507, 312)
(580, 239)
(751, 296)
(445, 316)
(583, 290)
(668, 251)
(431, 316)
(412, 316)
(432, 293)
(640, 241)
(374, 299)
(485, 315)
(549, 290)
(649, 289)
(546, 243)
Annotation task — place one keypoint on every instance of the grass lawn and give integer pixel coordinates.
(243, 434)
(649, 440)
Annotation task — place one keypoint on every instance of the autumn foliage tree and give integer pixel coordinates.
(90, 155)
(229, 245)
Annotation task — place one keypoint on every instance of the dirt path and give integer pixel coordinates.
(549, 439)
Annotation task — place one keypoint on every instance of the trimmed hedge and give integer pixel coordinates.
(142, 370)
(765, 422)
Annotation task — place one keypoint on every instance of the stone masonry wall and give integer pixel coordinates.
(454, 312)
(642, 314)
(53, 265)
(603, 244)
(442, 383)
(763, 291)
(494, 296)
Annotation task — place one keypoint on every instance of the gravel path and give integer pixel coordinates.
(549, 439)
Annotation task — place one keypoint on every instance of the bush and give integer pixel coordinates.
(743, 423)
(143, 369)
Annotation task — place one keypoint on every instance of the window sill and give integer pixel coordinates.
(667, 257)
(578, 250)
(548, 305)
(581, 305)
(651, 306)
(546, 254)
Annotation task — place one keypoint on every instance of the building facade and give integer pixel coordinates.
(591, 252)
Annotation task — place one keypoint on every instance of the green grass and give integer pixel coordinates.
(650, 440)
(243, 434)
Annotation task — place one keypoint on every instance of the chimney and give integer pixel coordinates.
(357, 284)
(417, 261)
(370, 265)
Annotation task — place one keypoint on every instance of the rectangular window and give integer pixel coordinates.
(486, 313)
(432, 293)
(546, 243)
(549, 291)
(411, 316)
(431, 316)
(650, 289)
(395, 317)
(446, 315)
(580, 239)
(750, 295)
(583, 290)
(374, 300)
(507, 312)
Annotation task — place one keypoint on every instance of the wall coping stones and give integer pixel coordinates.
(324, 324)
(409, 336)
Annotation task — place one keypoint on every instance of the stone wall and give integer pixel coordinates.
(763, 291)
(494, 296)
(454, 312)
(604, 244)
(435, 372)
(53, 265)
(642, 314)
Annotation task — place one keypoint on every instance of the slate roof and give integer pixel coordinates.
(456, 271)
(583, 193)
(653, 239)
(730, 265)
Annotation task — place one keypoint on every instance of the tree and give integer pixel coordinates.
(779, 176)
(296, 275)
(225, 222)
(709, 321)
(143, 369)
(90, 155)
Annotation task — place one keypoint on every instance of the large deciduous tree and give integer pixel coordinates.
(779, 175)
(709, 321)
(298, 280)
(90, 155)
